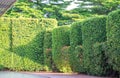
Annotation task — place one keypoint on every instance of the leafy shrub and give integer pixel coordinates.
(48, 49)
(60, 39)
(113, 36)
(93, 30)
(75, 40)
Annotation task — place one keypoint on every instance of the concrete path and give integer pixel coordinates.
(62, 75)
(9, 74)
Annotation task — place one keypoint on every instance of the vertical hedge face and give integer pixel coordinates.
(5, 59)
(5, 33)
(75, 39)
(60, 39)
(99, 59)
(93, 30)
(27, 38)
(113, 37)
(78, 59)
(75, 34)
(24, 39)
(48, 49)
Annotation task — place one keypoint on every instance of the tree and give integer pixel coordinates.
(105, 6)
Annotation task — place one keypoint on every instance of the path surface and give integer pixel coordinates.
(9, 74)
(62, 75)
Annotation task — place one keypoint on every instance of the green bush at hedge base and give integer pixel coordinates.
(78, 59)
(93, 30)
(75, 40)
(60, 39)
(48, 49)
(99, 59)
(113, 37)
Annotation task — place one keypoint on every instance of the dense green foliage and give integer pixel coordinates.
(93, 30)
(25, 39)
(113, 36)
(77, 59)
(48, 49)
(60, 41)
(29, 44)
(75, 40)
(5, 33)
(99, 59)
(105, 6)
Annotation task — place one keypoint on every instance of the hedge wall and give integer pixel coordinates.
(7, 61)
(113, 37)
(78, 59)
(99, 59)
(75, 39)
(25, 39)
(60, 39)
(48, 49)
(5, 33)
(93, 30)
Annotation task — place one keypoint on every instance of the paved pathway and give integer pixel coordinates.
(62, 75)
(9, 74)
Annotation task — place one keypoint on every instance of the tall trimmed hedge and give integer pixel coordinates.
(75, 40)
(48, 49)
(5, 33)
(113, 38)
(25, 38)
(60, 39)
(93, 30)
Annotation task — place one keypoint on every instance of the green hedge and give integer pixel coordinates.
(78, 59)
(7, 61)
(60, 39)
(99, 59)
(75, 39)
(5, 33)
(113, 37)
(25, 38)
(5, 58)
(48, 49)
(93, 30)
